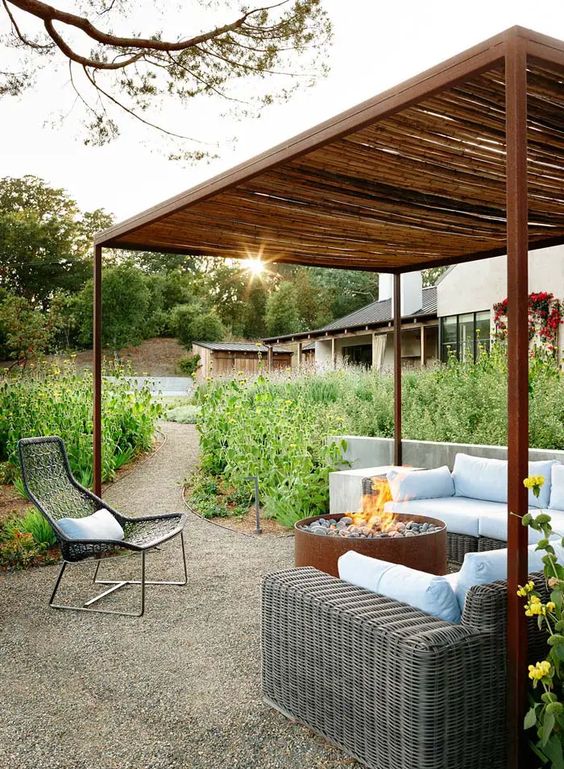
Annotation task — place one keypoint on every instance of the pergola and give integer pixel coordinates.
(462, 162)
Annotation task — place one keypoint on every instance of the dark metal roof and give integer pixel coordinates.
(241, 347)
(374, 314)
(381, 312)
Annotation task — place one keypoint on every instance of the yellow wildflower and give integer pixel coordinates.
(540, 670)
(534, 481)
(550, 606)
(524, 591)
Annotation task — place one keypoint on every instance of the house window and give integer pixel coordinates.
(358, 355)
(465, 335)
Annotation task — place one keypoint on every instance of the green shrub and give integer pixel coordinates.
(19, 550)
(189, 364)
(186, 415)
(53, 401)
(247, 429)
(34, 523)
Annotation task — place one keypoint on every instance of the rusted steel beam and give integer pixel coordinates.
(397, 370)
(97, 374)
(518, 393)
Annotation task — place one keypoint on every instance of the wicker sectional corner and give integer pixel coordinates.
(393, 687)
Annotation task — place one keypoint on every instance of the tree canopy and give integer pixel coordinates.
(45, 241)
(202, 48)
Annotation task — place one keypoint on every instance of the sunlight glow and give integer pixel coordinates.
(255, 266)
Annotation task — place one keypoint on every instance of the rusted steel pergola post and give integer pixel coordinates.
(518, 391)
(397, 369)
(97, 374)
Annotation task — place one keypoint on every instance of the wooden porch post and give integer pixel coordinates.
(97, 374)
(397, 369)
(270, 356)
(518, 392)
(422, 350)
(300, 346)
(333, 354)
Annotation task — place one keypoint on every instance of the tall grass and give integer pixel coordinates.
(58, 401)
(276, 427)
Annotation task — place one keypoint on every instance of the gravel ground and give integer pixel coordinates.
(177, 689)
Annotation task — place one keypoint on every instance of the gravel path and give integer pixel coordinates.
(177, 689)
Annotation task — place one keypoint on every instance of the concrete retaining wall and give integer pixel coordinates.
(370, 452)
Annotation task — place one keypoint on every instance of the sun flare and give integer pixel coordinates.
(255, 266)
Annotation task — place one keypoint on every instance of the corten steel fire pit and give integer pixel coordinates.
(426, 551)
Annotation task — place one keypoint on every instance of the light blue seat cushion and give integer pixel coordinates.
(406, 485)
(461, 515)
(482, 478)
(557, 488)
(427, 592)
(495, 526)
(490, 566)
(101, 525)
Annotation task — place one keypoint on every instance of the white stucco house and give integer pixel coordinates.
(453, 317)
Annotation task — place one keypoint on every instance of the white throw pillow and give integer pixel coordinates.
(491, 566)
(407, 485)
(101, 525)
(427, 592)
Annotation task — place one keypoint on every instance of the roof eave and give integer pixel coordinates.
(321, 333)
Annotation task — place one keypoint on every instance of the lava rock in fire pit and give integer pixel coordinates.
(370, 528)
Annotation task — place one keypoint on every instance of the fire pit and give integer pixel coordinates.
(412, 540)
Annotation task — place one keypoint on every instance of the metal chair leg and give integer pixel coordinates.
(116, 585)
(150, 581)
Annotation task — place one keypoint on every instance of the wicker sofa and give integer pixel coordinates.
(480, 523)
(393, 687)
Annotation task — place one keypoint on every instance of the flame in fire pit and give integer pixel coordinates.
(372, 514)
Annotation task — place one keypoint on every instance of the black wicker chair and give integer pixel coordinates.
(50, 485)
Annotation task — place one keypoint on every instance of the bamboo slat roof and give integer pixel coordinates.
(412, 178)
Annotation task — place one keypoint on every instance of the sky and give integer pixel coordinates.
(376, 45)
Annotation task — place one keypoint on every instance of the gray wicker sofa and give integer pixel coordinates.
(393, 687)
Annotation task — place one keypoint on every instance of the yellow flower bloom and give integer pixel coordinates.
(533, 481)
(524, 591)
(540, 670)
(550, 606)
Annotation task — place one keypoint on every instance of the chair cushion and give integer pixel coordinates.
(421, 484)
(489, 566)
(101, 525)
(556, 487)
(494, 525)
(483, 478)
(427, 592)
(461, 515)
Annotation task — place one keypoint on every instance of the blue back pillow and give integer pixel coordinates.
(406, 485)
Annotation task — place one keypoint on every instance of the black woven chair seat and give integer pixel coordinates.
(151, 532)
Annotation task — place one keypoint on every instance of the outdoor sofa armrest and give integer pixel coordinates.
(391, 685)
